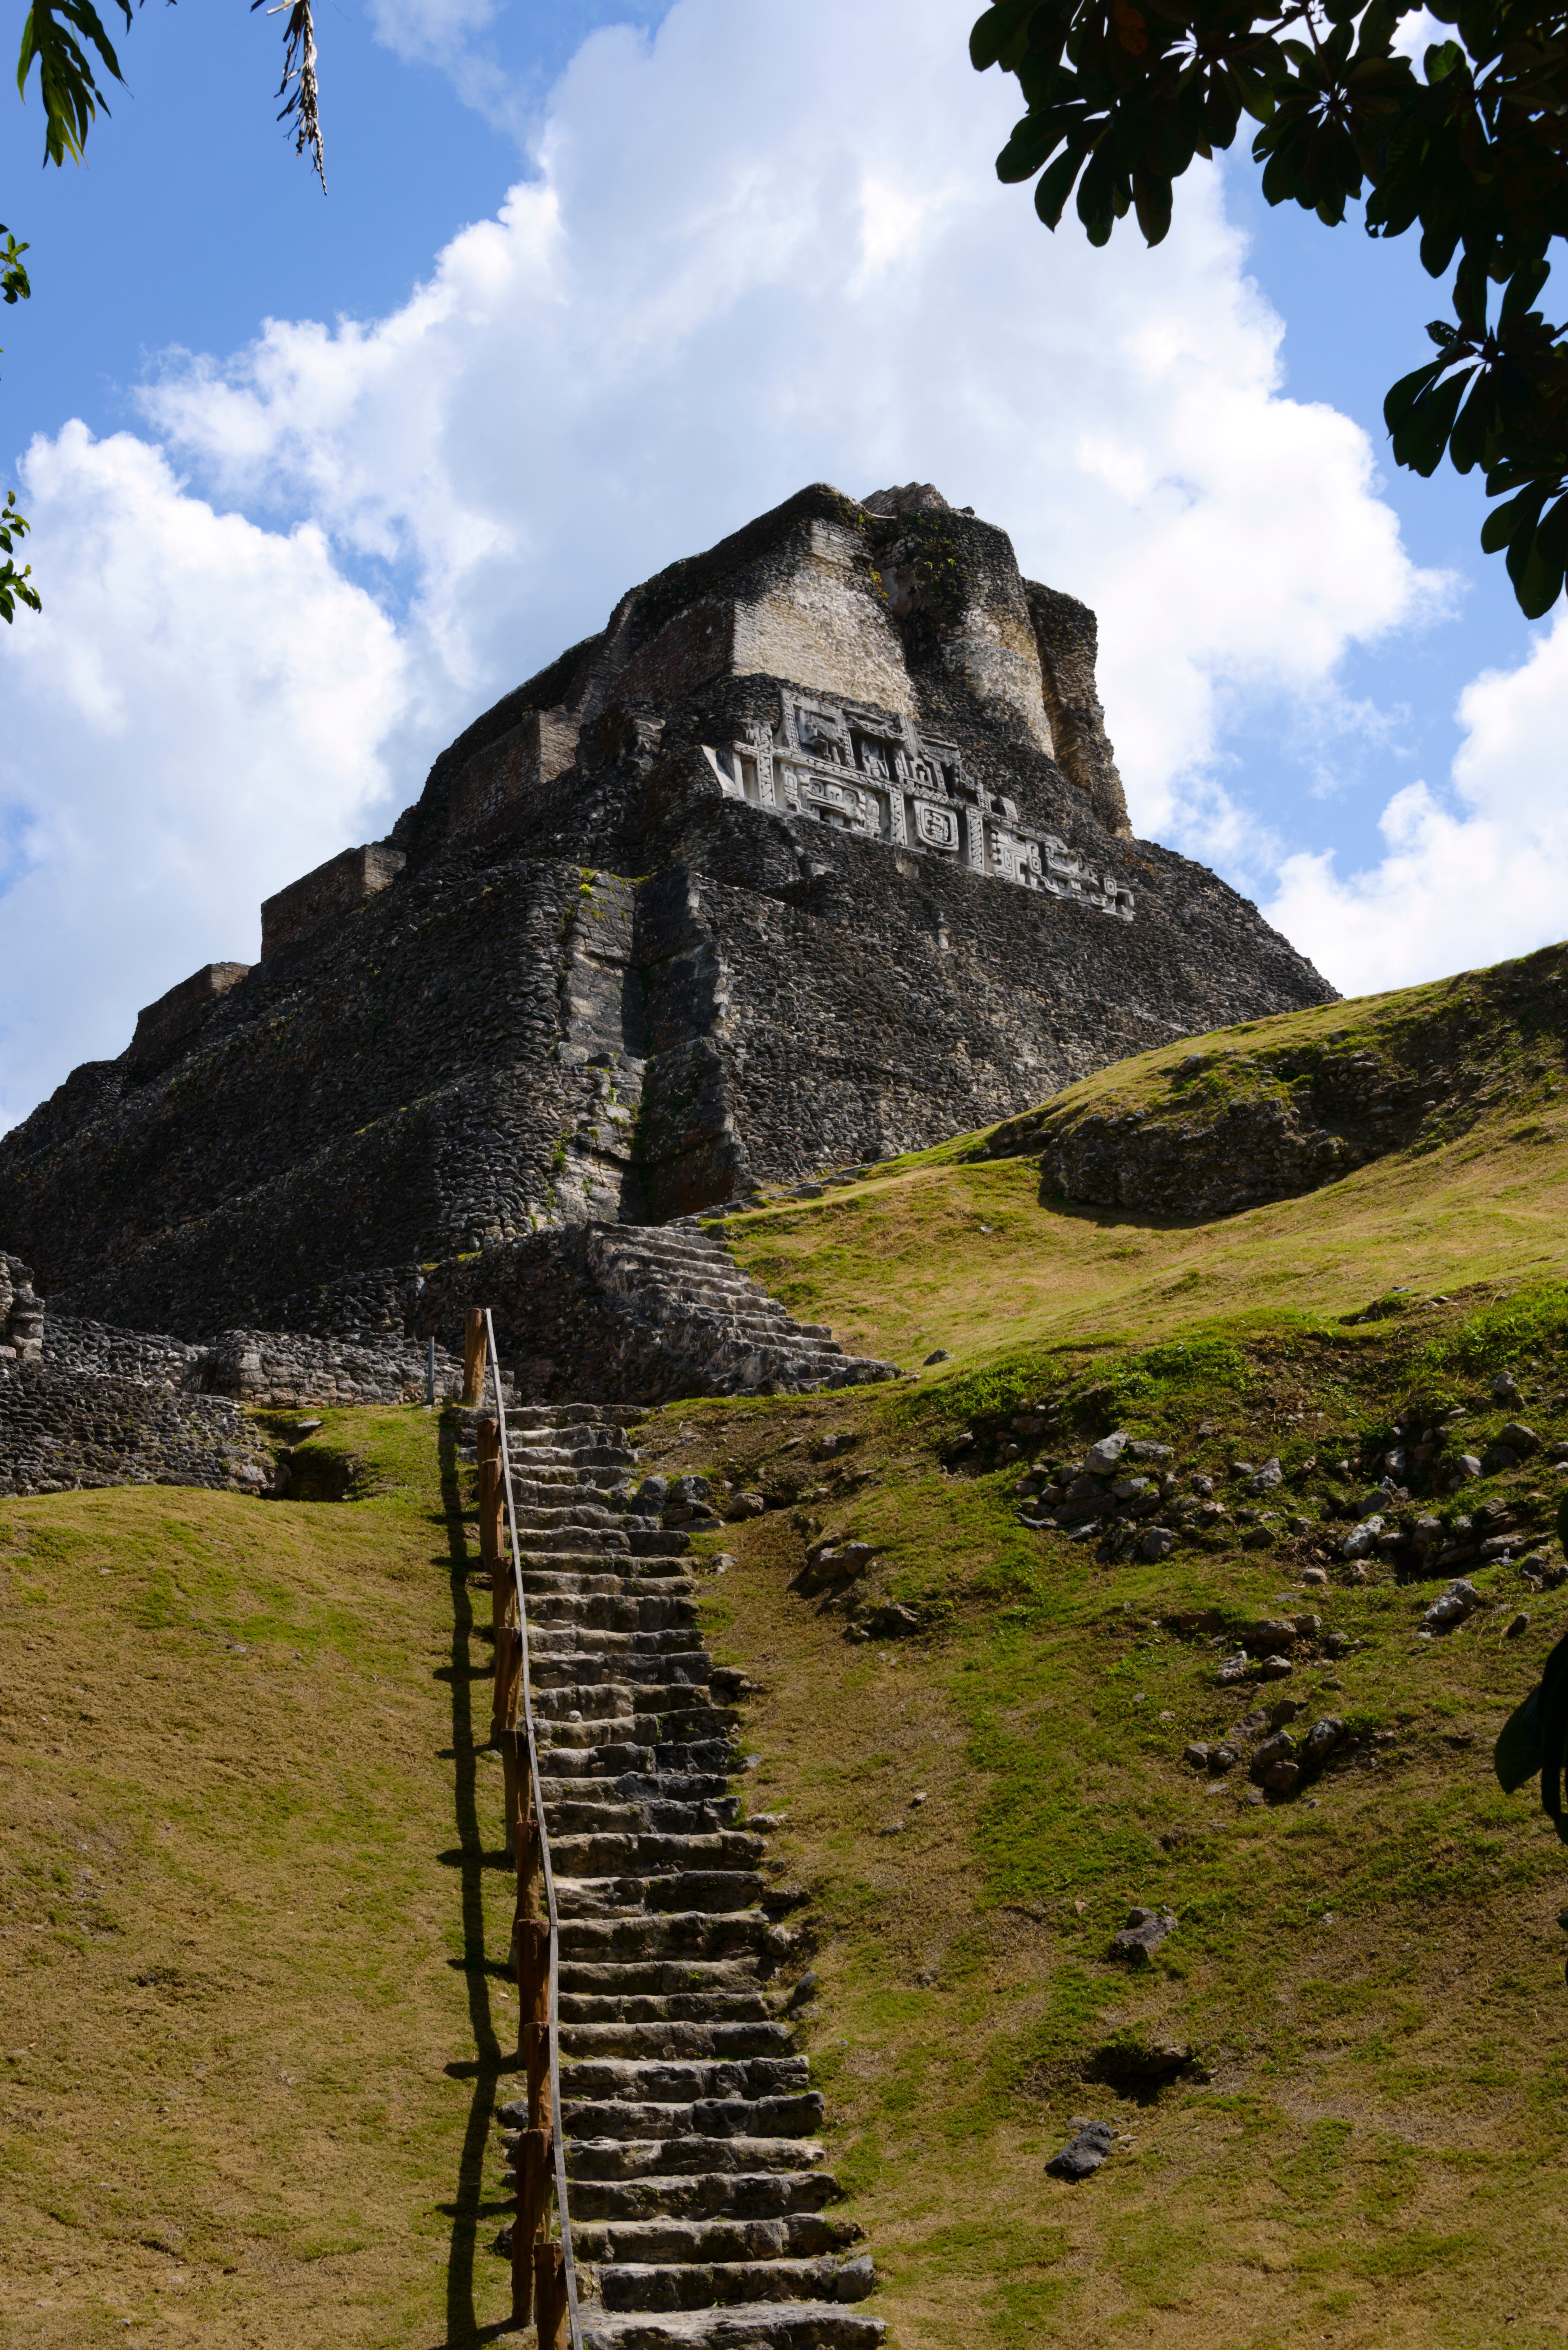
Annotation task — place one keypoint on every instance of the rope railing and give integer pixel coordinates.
(543, 2273)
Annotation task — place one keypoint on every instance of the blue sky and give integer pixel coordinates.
(281, 571)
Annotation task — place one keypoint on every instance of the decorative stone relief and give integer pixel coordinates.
(873, 773)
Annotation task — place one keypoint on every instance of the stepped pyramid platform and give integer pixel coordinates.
(816, 853)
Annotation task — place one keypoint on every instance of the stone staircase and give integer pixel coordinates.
(699, 2206)
(687, 1283)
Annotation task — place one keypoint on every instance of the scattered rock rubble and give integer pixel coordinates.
(1094, 2144)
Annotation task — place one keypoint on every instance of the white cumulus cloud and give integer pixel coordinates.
(193, 719)
(761, 247)
(1469, 876)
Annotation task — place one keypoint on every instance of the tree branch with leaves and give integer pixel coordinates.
(1122, 96)
(67, 42)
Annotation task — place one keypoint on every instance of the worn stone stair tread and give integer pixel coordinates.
(785, 2116)
(717, 1894)
(640, 1787)
(719, 2239)
(801, 2325)
(705, 2195)
(656, 1815)
(734, 2155)
(644, 2080)
(702, 2284)
(606, 1854)
(659, 1977)
(626, 1666)
(721, 2040)
(708, 2005)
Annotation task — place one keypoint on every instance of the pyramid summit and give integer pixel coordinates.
(817, 852)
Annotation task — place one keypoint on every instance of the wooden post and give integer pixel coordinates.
(489, 1493)
(532, 2162)
(474, 1354)
(550, 2295)
(508, 1656)
(531, 1943)
(522, 1834)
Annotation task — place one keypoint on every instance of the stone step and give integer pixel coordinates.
(546, 1482)
(699, 1758)
(646, 1852)
(703, 2117)
(633, 1580)
(637, 1787)
(660, 2081)
(629, 1670)
(717, 1891)
(669, 1934)
(658, 1978)
(658, 1542)
(667, 2039)
(556, 1415)
(647, 2162)
(565, 1643)
(654, 1817)
(676, 2007)
(640, 1616)
(573, 1542)
(776, 2326)
(573, 1448)
(701, 2285)
(532, 1515)
(705, 2195)
(561, 1766)
(651, 1725)
(720, 2239)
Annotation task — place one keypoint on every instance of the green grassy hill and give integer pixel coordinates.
(251, 2038)
(1366, 2142)
(253, 2012)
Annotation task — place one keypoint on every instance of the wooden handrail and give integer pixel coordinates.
(533, 1838)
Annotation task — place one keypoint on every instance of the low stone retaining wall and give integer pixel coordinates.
(60, 1430)
(289, 1367)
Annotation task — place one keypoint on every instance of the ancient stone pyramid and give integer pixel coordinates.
(816, 853)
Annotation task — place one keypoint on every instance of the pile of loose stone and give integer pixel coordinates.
(1124, 1495)
(1125, 1492)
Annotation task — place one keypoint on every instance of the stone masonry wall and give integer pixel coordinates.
(60, 1429)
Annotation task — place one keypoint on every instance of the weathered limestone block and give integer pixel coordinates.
(335, 888)
(161, 1028)
(959, 578)
(502, 782)
(21, 1312)
(1068, 636)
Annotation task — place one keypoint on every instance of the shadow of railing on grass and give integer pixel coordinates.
(468, 2208)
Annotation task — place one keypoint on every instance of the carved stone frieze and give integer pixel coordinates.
(872, 773)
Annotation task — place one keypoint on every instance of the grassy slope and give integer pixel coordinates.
(904, 1263)
(249, 2040)
(1373, 1971)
